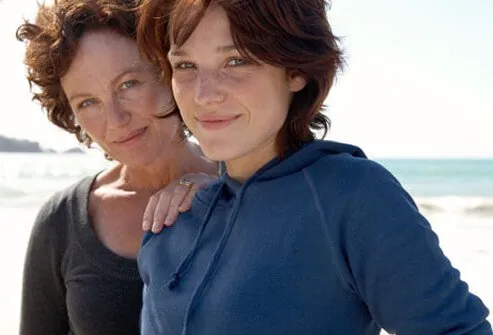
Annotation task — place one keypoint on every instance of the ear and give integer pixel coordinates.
(296, 81)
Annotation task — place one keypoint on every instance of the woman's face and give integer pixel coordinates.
(115, 96)
(233, 107)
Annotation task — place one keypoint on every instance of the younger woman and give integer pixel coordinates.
(300, 236)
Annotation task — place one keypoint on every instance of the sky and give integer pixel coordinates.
(418, 80)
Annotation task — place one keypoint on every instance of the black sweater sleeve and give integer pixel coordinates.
(43, 308)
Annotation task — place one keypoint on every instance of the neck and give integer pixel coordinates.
(185, 158)
(244, 167)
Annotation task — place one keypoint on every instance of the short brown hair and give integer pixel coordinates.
(52, 42)
(292, 34)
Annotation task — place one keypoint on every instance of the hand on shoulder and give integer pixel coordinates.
(165, 205)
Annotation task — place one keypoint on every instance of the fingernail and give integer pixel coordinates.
(145, 225)
(183, 209)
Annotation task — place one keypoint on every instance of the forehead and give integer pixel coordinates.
(101, 55)
(105, 45)
(212, 29)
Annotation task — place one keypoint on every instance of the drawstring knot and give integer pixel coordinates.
(174, 281)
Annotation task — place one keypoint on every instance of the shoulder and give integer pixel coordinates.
(52, 231)
(362, 191)
(367, 195)
(350, 173)
(59, 210)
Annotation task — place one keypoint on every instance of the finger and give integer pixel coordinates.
(179, 195)
(187, 201)
(161, 209)
(149, 213)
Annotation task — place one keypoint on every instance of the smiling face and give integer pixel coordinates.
(115, 97)
(233, 107)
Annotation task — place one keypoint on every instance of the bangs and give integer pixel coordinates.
(187, 14)
(184, 18)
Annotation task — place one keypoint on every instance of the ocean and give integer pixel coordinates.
(455, 195)
(460, 186)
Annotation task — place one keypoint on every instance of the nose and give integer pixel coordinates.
(208, 89)
(116, 115)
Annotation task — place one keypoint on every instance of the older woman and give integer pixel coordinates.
(81, 272)
(300, 236)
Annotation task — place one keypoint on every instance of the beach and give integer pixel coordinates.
(458, 204)
(26, 181)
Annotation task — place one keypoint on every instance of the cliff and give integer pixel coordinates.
(14, 145)
(8, 144)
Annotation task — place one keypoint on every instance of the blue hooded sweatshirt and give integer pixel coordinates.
(324, 241)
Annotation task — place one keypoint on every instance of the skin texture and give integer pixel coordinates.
(233, 107)
(115, 97)
(114, 93)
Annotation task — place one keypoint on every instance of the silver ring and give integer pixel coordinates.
(186, 182)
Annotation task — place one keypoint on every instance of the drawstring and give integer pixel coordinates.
(215, 258)
(177, 275)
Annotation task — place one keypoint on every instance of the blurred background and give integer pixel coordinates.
(416, 95)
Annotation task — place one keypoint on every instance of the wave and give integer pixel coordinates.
(456, 205)
(478, 206)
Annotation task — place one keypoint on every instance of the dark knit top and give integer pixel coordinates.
(72, 283)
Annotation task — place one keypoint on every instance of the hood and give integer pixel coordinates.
(300, 159)
(307, 155)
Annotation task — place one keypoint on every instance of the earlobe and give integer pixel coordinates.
(297, 82)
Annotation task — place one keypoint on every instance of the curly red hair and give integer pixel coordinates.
(51, 44)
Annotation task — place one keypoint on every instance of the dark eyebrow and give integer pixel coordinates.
(222, 49)
(226, 48)
(127, 70)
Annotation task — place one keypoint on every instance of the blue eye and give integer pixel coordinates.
(184, 66)
(237, 62)
(86, 103)
(128, 84)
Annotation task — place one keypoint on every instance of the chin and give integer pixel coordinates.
(213, 155)
(217, 153)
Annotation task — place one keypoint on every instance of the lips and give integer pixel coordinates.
(129, 137)
(216, 122)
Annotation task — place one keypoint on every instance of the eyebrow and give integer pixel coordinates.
(221, 49)
(78, 96)
(127, 70)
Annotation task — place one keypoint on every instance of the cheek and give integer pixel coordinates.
(181, 82)
(97, 132)
(92, 127)
(256, 95)
(268, 103)
(277, 94)
(183, 95)
(155, 102)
